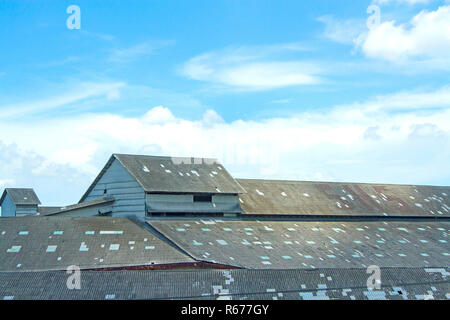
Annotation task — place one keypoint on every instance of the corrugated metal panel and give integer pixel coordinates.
(343, 199)
(85, 242)
(88, 208)
(318, 284)
(302, 244)
(23, 210)
(185, 175)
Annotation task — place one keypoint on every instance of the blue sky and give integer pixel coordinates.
(274, 89)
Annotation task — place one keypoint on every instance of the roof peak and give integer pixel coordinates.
(174, 159)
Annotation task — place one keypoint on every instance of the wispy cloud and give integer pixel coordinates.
(342, 31)
(139, 50)
(409, 2)
(253, 68)
(75, 93)
(281, 101)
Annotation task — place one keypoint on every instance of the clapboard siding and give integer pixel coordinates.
(25, 210)
(185, 203)
(129, 196)
(8, 207)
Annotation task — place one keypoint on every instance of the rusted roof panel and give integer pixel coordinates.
(343, 199)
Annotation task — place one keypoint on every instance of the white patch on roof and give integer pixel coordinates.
(111, 232)
(195, 172)
(114, 247)
(208, 221)
(14, 249)
(83, 247)
(51, 249)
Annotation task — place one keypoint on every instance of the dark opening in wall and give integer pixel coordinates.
(203, 198)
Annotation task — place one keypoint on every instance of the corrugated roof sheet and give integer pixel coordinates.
(174, 174)
(303, 244)
(343, 199)
(47, 211)
(21, 196)
(318, 284)
(54, 243)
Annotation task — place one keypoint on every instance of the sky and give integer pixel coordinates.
(353, 91)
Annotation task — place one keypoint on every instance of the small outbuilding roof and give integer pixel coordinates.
(21, 196)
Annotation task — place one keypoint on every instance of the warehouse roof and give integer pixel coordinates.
(303, 244)
(318, 284)
(54, 243)
(21, 196)
(343, 199)
(175, 174)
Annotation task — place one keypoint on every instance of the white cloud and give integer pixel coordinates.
(346, 31)
(409, 2)
(252, 68)
(380, 140)
(426, 36)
